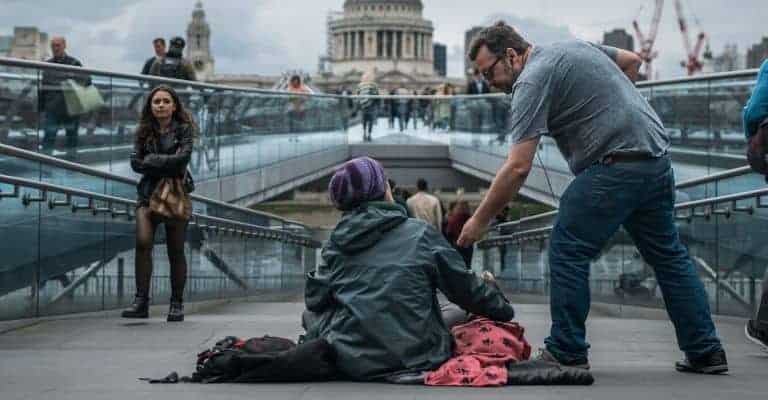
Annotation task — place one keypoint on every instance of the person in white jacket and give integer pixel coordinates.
(425, 206)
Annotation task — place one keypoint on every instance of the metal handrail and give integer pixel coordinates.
(730, 173)
(14, 62)
(75, 167)
(508, 225)
(428, 96)
(708, 204)
(497, 240)
(746, 73)
(757, 194)
(92, 197)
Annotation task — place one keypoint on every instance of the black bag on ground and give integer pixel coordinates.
(757, 150)
(265, 359)
(312, 361)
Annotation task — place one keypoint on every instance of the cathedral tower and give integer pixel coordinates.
(199, 44)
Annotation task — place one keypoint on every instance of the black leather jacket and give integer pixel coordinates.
(167, 157)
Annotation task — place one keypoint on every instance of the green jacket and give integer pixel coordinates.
(375, 300)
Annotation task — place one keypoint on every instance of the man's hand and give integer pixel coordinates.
(472, 232)
(506, 184)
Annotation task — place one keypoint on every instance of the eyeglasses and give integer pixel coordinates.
(488, 73)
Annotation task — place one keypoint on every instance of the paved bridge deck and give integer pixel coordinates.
(101, 358)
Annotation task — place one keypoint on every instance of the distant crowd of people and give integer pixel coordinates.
(169, 62)
(404, 108)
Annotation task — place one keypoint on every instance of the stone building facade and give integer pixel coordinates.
(382, 36)
(27, 43)
(389, 38)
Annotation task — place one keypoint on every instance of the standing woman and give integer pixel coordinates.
(162, 149)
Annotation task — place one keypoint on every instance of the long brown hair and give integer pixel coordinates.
(149, 128)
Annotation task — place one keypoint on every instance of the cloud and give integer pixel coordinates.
(537, 31)
(532, 29)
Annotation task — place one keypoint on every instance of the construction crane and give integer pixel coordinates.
(646, 52)
(692, 63)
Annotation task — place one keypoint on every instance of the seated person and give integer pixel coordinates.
(373, 298)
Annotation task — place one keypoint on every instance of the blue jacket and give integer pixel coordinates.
(756, 109)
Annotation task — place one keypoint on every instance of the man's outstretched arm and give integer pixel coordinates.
(505, 186)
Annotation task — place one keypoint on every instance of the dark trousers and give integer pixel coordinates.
(640, 197)
(477, 119)
(55, 121)
(368, 118)
(295, 120)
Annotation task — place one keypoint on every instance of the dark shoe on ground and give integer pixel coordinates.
(713, 363)
(545, 355)
(176, 311)
(755, 334)
(139, 308)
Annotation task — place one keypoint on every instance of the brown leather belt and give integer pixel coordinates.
(614, 158)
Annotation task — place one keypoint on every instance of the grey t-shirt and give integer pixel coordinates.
(576, 93)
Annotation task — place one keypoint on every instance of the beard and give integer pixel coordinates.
(507, 85)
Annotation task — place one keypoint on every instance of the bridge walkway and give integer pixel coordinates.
(84, 358)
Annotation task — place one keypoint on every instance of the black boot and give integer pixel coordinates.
(176, 311)
(139, 308)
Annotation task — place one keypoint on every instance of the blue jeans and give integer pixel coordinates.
(639, 196)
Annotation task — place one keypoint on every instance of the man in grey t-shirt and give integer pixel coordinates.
(582, 96)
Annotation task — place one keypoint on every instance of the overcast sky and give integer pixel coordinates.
(269, 36)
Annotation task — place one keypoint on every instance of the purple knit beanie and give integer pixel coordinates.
(356, 182)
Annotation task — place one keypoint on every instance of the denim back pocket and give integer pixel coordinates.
(613, 190)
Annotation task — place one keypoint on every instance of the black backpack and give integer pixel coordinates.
(170, 67)
(757, 150)
(265, 359)
(219, 363)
